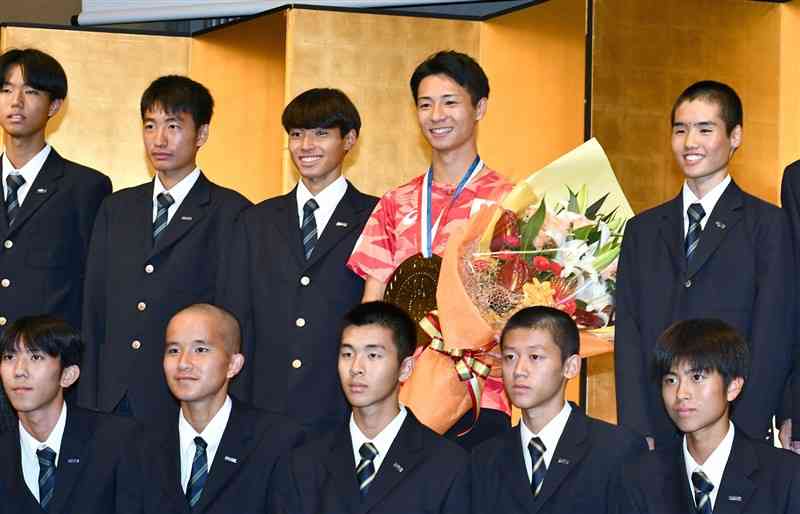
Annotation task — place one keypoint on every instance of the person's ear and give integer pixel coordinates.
(202, 135)
(350, 140)
(55, 106)
(406, 367)
(571, 367)
(734, 388)
(236, 365)
(69, 376)
(480, 108)
(736, 137)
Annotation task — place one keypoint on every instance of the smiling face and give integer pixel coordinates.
(172, 141)
(698, 401)
(197, 364)
(34, 381)
(701, 145)
(318, 154)
(369, 369)
(24, 110)
(446, 114)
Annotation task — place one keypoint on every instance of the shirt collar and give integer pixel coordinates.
(31, 444)
(328, 197)
(383, 441)
(551, 432)
(709, 200)
(180, 190)
(31, 169)
(714, 466)
(211, 434)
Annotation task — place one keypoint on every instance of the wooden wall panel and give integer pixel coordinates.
(789, 110)
(371, 58)
(535, 60)
(244, 67)
(647, 51)
(100, 124)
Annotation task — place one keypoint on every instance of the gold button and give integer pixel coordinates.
(304, 280)
(297, 363)
(300, 322)
(136, 344)
(141, 306)
(687, 284)
(149, 269)
(8, 243)
(5, 282)
(3, 321)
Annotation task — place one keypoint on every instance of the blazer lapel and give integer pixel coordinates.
(73, 456)
(341, 470)
(726, 214)
(676, 495)
(343, 221)
(11, 473)
(737, 488)
(288, 224)
(513, 472)
(404, 455)
(43, 187)
(671, 231)
(189, 214)
(235, 446)
(570, 451)
(166, 462)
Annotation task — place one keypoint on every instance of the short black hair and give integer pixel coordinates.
(557, 323)
(389, 316)
(730, 105)
(175, 94)
(40, 70)
(705, 344)
(322, 108)
(462, 68)
(46, 334)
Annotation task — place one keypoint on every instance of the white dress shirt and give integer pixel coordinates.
(549, 435)
(178, 192)
(29, 445)
(327, 199)
(383, 441)
(713, 467)
(212, 435)
(29, 172)
(709, 201)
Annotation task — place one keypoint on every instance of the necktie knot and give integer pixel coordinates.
(701, 483)
(14, 181)
(696, 212)
(310, 206)
(537, 445)
(200, 443)
(536, 448)
(368, 451)
(46, 456)
(365, 471)
(164, 200)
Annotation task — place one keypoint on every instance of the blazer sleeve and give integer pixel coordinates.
(790, 200)
(88, 200)
(630, 354)
(94, 309)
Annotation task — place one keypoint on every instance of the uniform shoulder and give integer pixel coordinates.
(229, 196)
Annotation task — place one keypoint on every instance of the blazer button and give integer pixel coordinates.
(300, 322)
(141, 306)
(136, 344)
(8, 244)
(687, 284)
(149, 269)
(5, 282)
(3, 321)
(304, 280)
(297, 363)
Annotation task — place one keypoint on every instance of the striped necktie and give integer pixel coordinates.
(164, 200)
(536, 448)
(47, 475)
(696, 213)
(702, 492)
(309, 228)
(365, 471)
(199, 474)
(14, 181)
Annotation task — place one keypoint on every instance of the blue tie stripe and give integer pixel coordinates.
(164, 201)
(536, 448)
(695, 213)
(308, 229)
(14, 181)
(199, 473)
(702, 490)
(365, 471)
(47, 475)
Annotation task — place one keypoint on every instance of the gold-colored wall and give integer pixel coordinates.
(535, 60)
(789, 110)
(647, 51)
(244, 67)
(100, 125)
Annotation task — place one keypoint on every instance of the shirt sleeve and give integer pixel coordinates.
(374, 254)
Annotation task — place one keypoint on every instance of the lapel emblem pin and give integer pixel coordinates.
(41, 190)
(341, 224)
(398, 467)
(73, 460)
(186, 218)
(720, 225)
(231, 460)
(735, 498)
(563, 461)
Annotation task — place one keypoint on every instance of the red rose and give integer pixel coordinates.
(556, 268)
(541, 264)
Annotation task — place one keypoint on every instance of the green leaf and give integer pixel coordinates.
(583, 198)
(610, 216)
(593, 209)
(529, 230)
(583, 233)
(604, 258)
